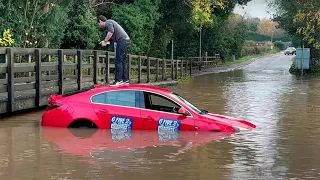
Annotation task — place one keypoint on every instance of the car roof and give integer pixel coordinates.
(145, 87)
(83, 96)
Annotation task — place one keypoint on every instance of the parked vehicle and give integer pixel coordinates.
(290, 50)
(135, 107)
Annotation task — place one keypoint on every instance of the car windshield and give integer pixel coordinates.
(189, 104)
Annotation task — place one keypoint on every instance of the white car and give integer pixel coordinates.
(290, 50)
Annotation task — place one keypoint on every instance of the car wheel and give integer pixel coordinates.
(82, 124)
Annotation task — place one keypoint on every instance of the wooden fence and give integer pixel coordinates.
(34, 74)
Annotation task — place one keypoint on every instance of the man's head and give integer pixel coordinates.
(102, 19)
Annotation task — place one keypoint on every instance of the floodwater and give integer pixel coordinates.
(284, 146)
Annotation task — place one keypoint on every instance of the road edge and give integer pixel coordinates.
(232, 67)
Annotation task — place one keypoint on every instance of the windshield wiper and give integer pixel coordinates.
(204, 112)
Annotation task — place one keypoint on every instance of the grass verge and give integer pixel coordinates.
(314, 71)
(184, 79)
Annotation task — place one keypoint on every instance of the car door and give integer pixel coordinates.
(118, 109)
(161, 113)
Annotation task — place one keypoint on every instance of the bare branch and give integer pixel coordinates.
(102, 3)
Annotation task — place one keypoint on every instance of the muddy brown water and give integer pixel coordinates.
(285, 145)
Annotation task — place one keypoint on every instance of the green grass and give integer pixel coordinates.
(184, 79)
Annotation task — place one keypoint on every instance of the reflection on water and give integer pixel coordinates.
(284, 145)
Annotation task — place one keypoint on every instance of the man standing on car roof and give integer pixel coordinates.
(121, 38)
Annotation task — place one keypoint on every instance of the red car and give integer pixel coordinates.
(135, 107)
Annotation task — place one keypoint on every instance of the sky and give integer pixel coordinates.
(255, 8)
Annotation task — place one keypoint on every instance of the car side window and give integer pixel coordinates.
(121, 98)
(159, 103)
(99, 98)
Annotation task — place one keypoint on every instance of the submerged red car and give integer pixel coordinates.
(135, 107)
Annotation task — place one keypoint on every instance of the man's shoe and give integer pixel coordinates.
(126, 82)
(116, 83)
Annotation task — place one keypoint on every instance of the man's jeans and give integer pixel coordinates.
(121, 62)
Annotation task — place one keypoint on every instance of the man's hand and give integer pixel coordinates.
(104, 43)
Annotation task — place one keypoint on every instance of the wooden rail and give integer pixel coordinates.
(34, 74)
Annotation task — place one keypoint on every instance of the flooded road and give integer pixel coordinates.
(285, 145)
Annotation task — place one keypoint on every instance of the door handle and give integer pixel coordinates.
(148, 118)
(102, 111)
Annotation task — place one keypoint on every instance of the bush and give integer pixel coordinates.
(280, 45)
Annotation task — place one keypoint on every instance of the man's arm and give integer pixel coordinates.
(110, 29)
(108, 36)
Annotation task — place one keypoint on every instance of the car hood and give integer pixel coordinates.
(234, 122)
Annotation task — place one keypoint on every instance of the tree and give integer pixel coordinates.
(82, 31)
(6, 40)
(139, 19)
(309, 27)
(34, 23)
(266, 27)
(201, 13)
(252, 24)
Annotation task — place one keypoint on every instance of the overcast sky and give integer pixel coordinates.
(255, 8)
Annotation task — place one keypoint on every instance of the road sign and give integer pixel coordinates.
(303, 58)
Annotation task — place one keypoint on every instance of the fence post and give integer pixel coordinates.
(38, 76)
(181, 70)
(10, 66)
(148, 69)
(60, 70)
(186, 68)
(172, 69)
(129, 66)
(190, 67)
(163, 69)
(79, 79)
(177, 68)
(95, 67)
(107, 63)
(157, 69)
(206, 59)
(139, 69)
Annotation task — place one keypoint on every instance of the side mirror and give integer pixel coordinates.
(183, 111)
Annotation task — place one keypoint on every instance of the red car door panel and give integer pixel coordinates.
(117, 110)
(161, 113)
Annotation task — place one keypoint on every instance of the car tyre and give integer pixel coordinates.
(82, 124)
